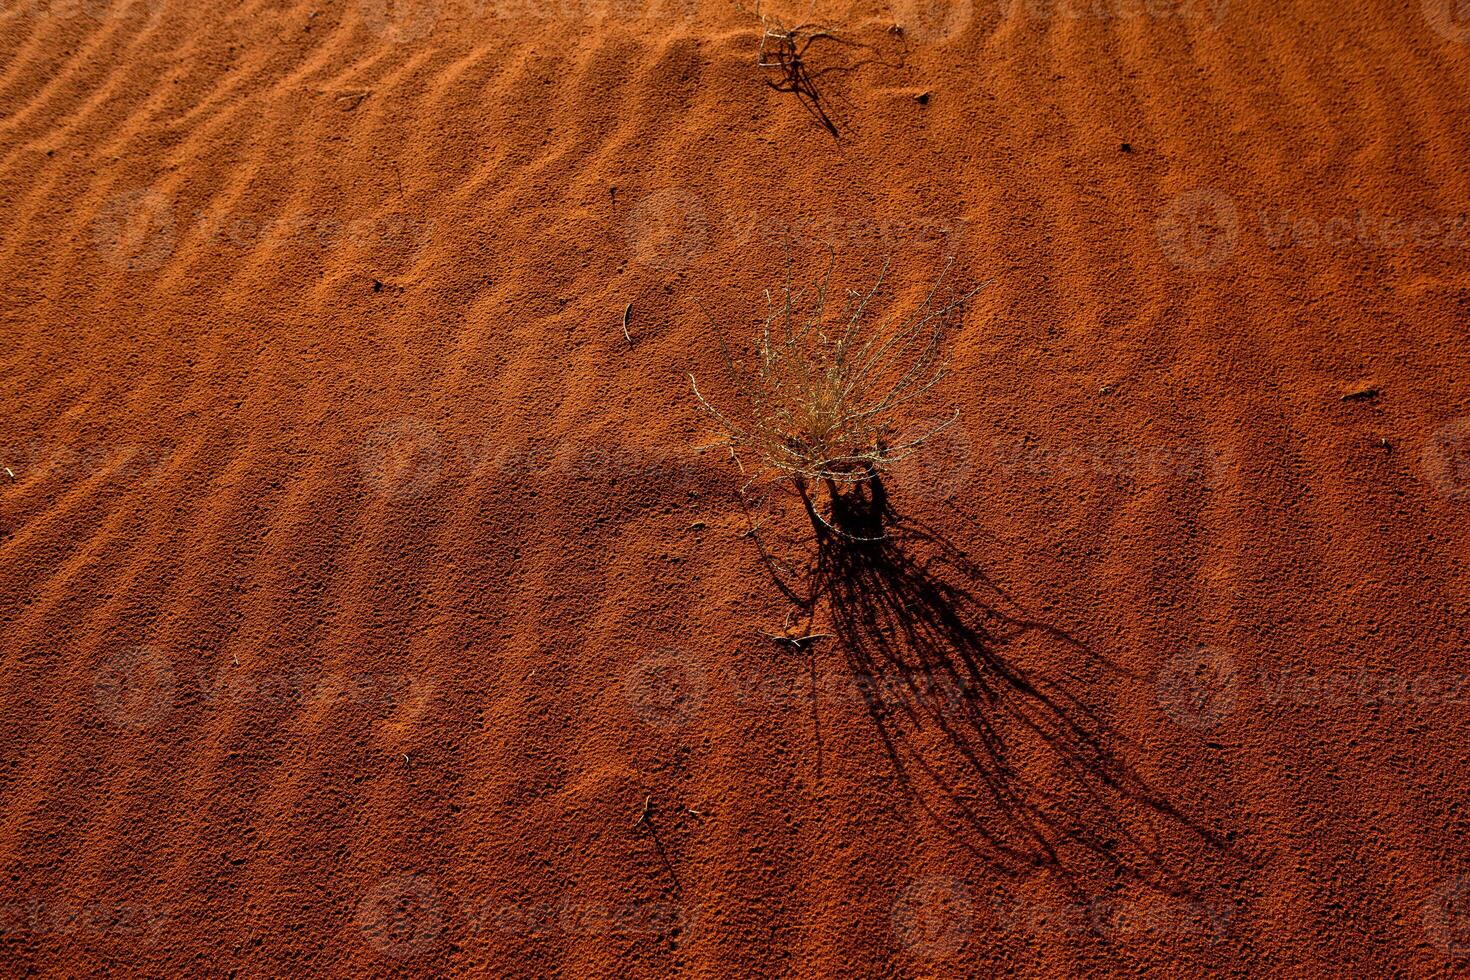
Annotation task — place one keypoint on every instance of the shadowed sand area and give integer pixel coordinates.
(370, 606)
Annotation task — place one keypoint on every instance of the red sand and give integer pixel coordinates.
(369, 607)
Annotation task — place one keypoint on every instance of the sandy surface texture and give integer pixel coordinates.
(370, 605)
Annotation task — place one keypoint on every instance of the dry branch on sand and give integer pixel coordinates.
(824, 399)
(784, 49)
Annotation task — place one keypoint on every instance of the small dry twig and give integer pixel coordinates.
(798, 643)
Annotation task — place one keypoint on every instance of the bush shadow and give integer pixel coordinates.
(1009, 761)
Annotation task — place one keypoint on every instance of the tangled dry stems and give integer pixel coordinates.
(784, 50)
(783, 47)
(822, 400)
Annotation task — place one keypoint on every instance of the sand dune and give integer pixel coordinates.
(371, 606)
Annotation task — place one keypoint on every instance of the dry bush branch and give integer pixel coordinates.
(822, 399)
(784, 50)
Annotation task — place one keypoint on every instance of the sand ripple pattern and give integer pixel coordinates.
(368, 604)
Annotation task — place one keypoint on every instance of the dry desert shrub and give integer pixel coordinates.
(822, 398)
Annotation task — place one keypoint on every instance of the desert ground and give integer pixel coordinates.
(377, 600)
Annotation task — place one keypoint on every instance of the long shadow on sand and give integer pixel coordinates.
(1011, 762)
